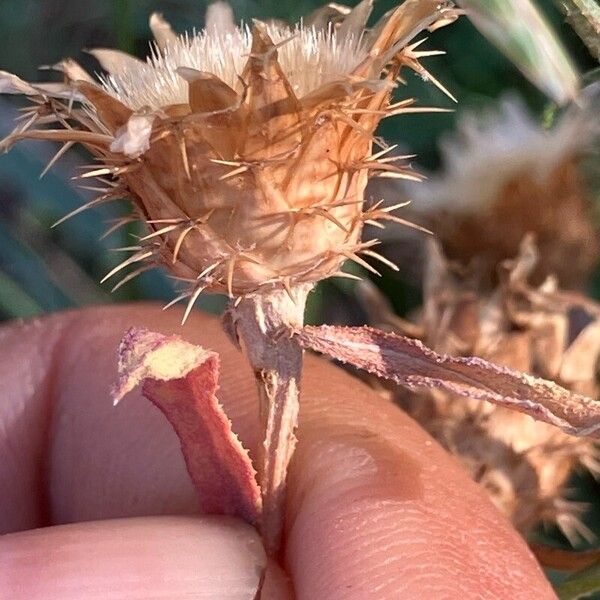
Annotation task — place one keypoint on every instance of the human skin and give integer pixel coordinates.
(375, 509)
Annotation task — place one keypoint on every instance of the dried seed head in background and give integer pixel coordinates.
(506, 176)
(523, 464)
(510, 189)
(246, 152)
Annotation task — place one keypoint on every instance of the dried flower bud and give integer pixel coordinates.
(246, 152)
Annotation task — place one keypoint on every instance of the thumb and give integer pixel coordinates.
(149, 557)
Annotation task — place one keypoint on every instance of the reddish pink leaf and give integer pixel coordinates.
(411, 364)
(181, 380)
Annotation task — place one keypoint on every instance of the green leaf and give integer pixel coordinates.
(519, 30)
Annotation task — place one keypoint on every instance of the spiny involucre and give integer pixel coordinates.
(246, 151)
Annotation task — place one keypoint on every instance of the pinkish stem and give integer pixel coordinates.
(263, 322)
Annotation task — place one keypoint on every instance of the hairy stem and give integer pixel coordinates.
(263, 323)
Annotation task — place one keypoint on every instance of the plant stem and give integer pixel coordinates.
(263, 322)
(584, 17)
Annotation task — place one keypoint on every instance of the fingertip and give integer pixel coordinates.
(174, 558)
(377, 510)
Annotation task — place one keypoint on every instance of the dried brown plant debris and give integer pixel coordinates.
(524, 464)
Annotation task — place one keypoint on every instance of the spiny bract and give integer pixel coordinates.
(245, 151)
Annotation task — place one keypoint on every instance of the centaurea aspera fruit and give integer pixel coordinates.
(246, 152)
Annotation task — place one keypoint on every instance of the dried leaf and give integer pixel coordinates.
(411, 364)
(181, 380)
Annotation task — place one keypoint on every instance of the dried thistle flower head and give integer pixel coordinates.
(246, 151)
(506, 176)
(523, 464)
